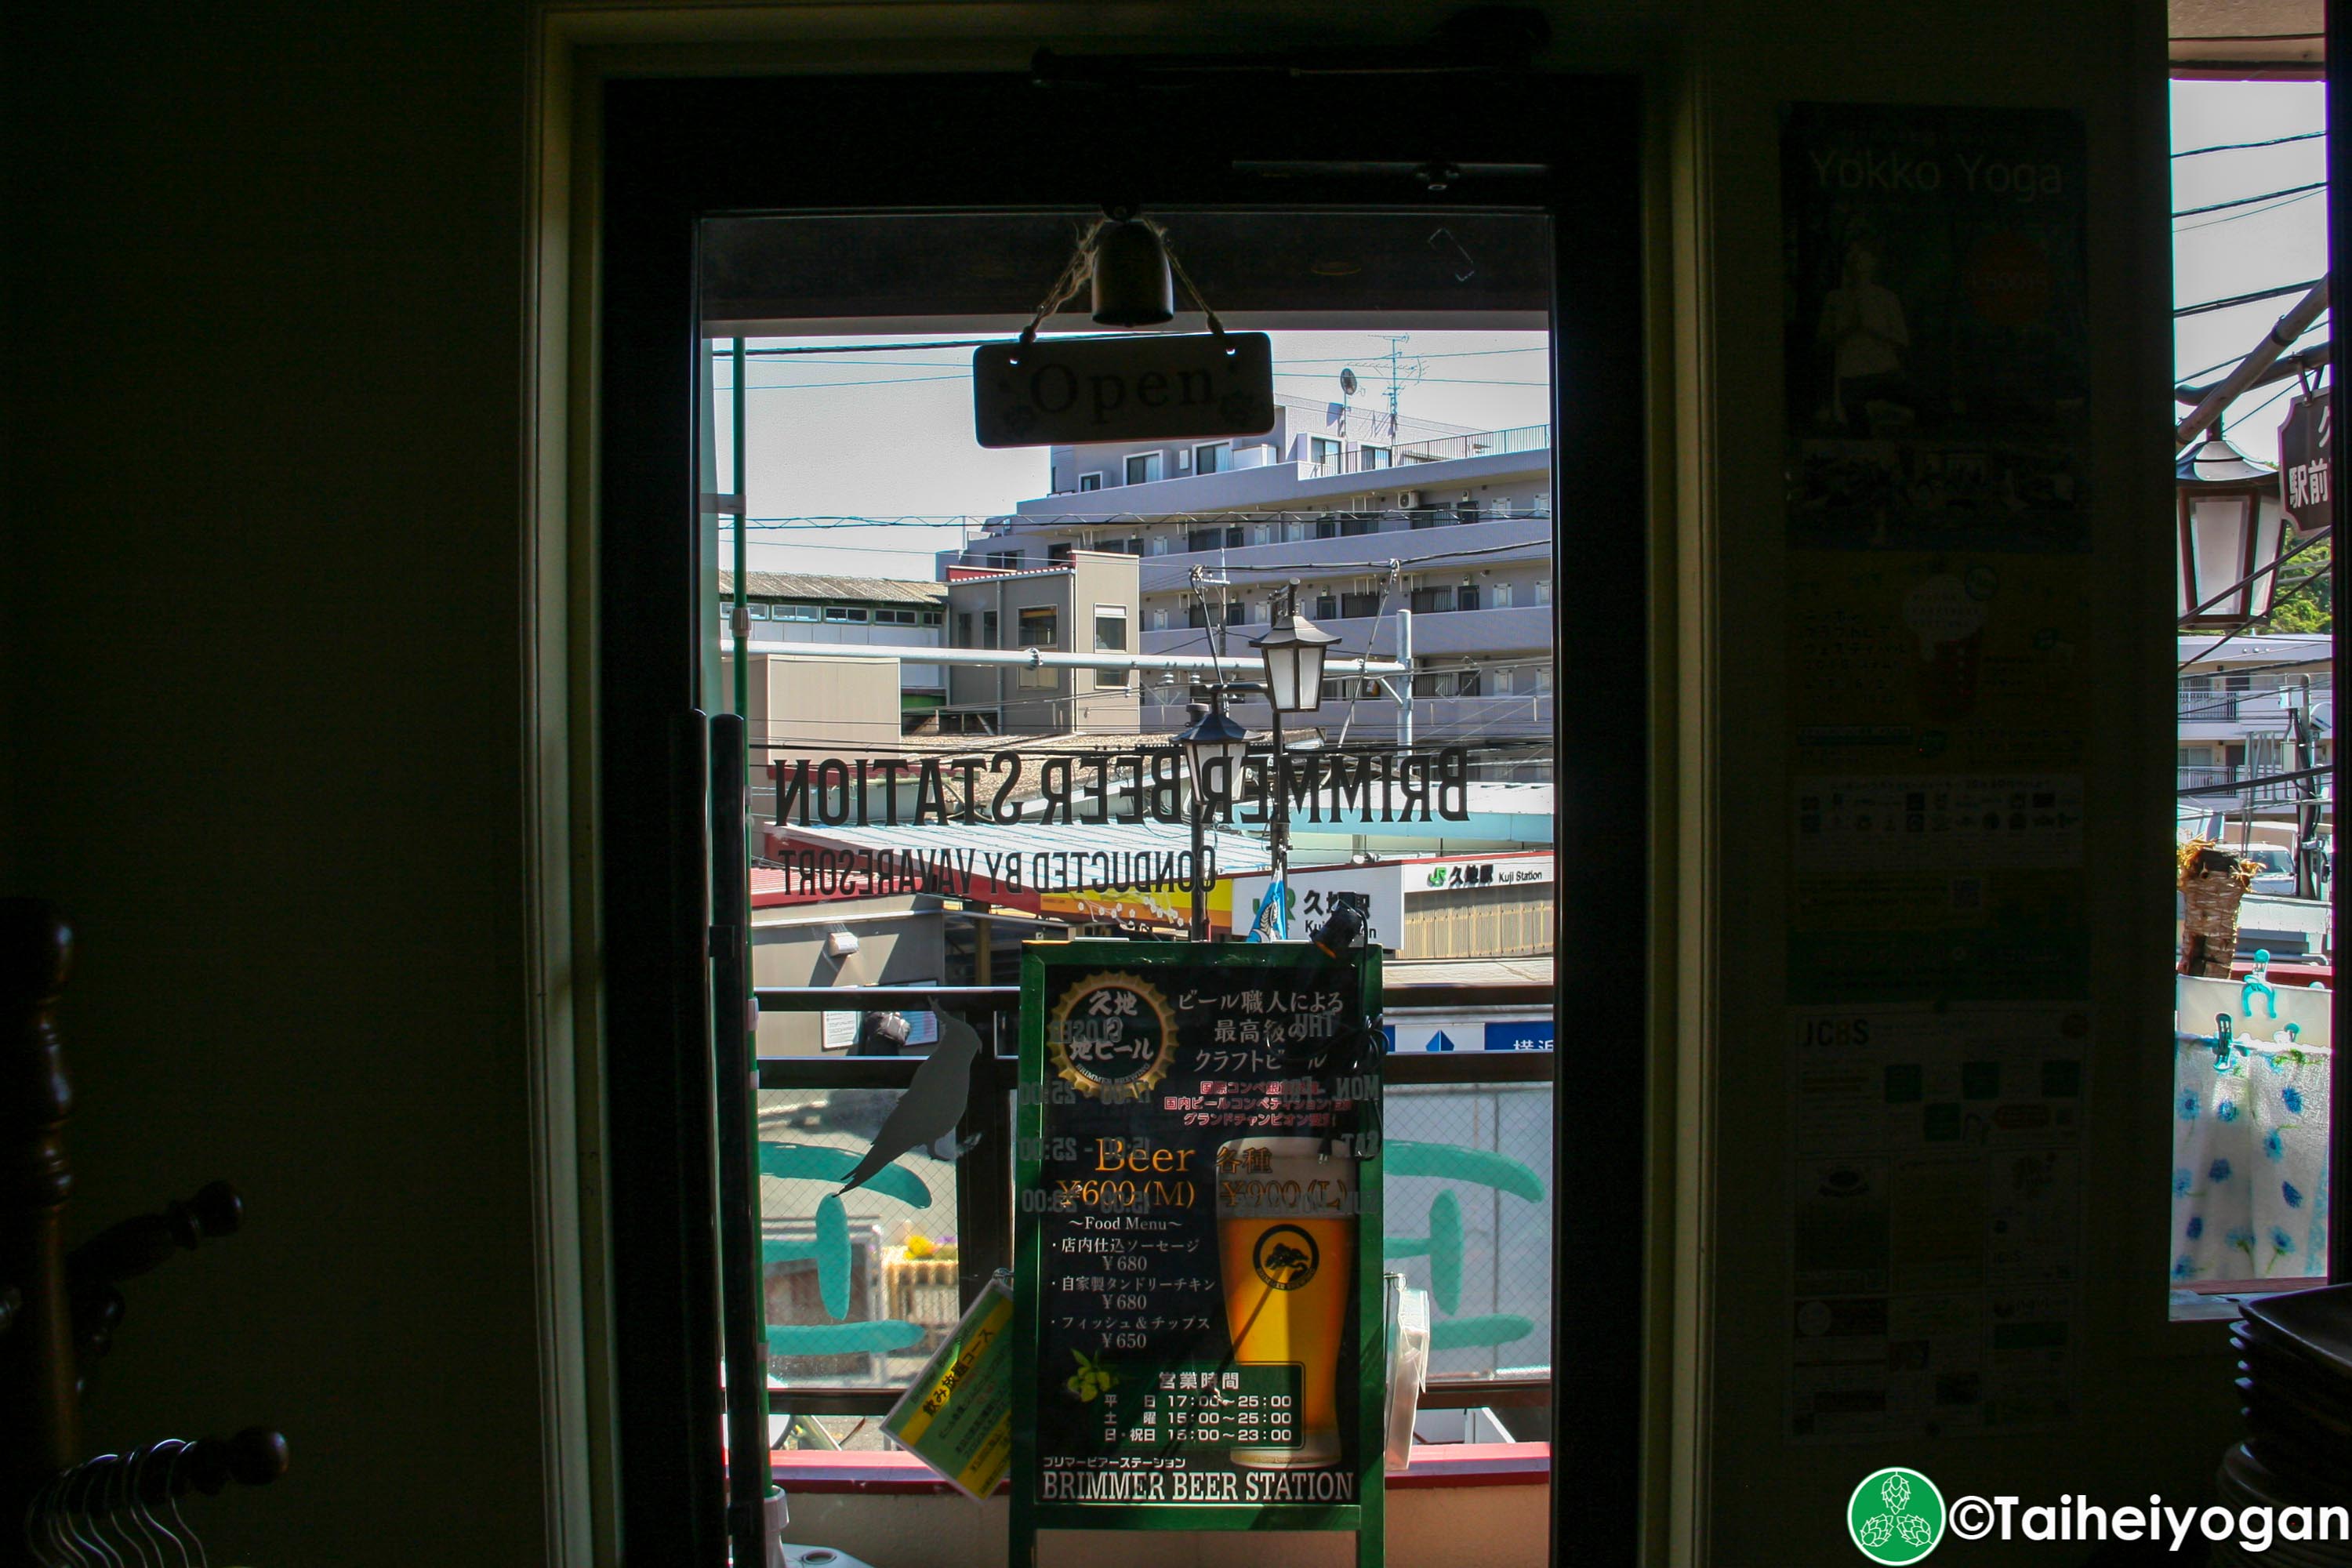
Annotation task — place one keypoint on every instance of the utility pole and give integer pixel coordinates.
(2307, 855)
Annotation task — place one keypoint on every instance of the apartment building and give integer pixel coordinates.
(1403, 535)
(1084, 601)
(2239, 702)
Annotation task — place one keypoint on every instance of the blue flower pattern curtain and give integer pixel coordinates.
(2249, 1161)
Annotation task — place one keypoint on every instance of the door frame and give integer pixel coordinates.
(674, 150)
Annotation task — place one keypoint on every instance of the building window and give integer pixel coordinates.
(794, 612)
(756, 610)
(1199, 538)
(1143, 468)
(1324, 454)
(1195, 616)
(1041, 628)
(1057, 555)
(1376, 458)
(1212, 460)
(1327, 606)
(1110, 636)
(1089, 483)
(1431, 601)
(1004, 561)
(1234, 612)
(844, 612)
(1134, 546)
(932, 617)
(963, 628)
(1357, 605)
(988, 629)
(1466, 597)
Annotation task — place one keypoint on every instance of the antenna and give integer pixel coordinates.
(1401, 371)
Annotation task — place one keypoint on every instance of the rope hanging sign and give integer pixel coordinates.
(1036, 392)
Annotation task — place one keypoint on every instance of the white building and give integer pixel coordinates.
(1437, 535)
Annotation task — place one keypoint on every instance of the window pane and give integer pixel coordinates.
(1472, 1225)
(860, 1286)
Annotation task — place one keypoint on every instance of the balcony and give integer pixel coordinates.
(1398, 536)
(1521, 631)
(1471, 721)
(1378, 459)
(2263, 795)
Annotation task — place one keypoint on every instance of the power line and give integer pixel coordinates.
(2249, 201)
(2197, 309)
(2242, 146)
(2318, 326)
(2240, 218)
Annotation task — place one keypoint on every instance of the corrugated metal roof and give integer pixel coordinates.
(852, 589)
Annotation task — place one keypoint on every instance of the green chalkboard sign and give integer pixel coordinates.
(1198, 1333)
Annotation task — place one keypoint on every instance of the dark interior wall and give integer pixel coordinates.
(261, 285)
(263, 316)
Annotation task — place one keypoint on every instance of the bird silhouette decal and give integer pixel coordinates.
(932, 1105)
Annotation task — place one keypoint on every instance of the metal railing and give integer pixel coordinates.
(2264, 782)
(983, 1177)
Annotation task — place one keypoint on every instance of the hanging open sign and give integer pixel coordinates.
(2304, 467)
(1141, 388)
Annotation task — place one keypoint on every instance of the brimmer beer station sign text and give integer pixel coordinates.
(1198, 1333)
(1102, 788)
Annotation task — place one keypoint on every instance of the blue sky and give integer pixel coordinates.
(888, 436)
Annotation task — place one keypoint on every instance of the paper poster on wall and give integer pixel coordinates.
(1935, 1189)
(1937, 359)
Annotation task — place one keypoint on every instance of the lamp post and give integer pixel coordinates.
(1293, 650)
(2230, 520)
(1211, 740)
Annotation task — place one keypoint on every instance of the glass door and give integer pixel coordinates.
(940, 689)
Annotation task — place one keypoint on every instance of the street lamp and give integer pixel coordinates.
(2230, 522)
(1211, 740)
(1293, 650)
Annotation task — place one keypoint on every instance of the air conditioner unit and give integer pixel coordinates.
(1408, 501)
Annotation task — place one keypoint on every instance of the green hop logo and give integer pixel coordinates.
(1896, 1516)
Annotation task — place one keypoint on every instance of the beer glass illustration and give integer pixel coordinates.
(1286, 1241)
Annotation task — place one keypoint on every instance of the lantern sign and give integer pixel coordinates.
(1141, 388)
(2230, 523)
(2304, 465)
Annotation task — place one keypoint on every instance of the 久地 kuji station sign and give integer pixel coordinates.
(1198, 1321)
